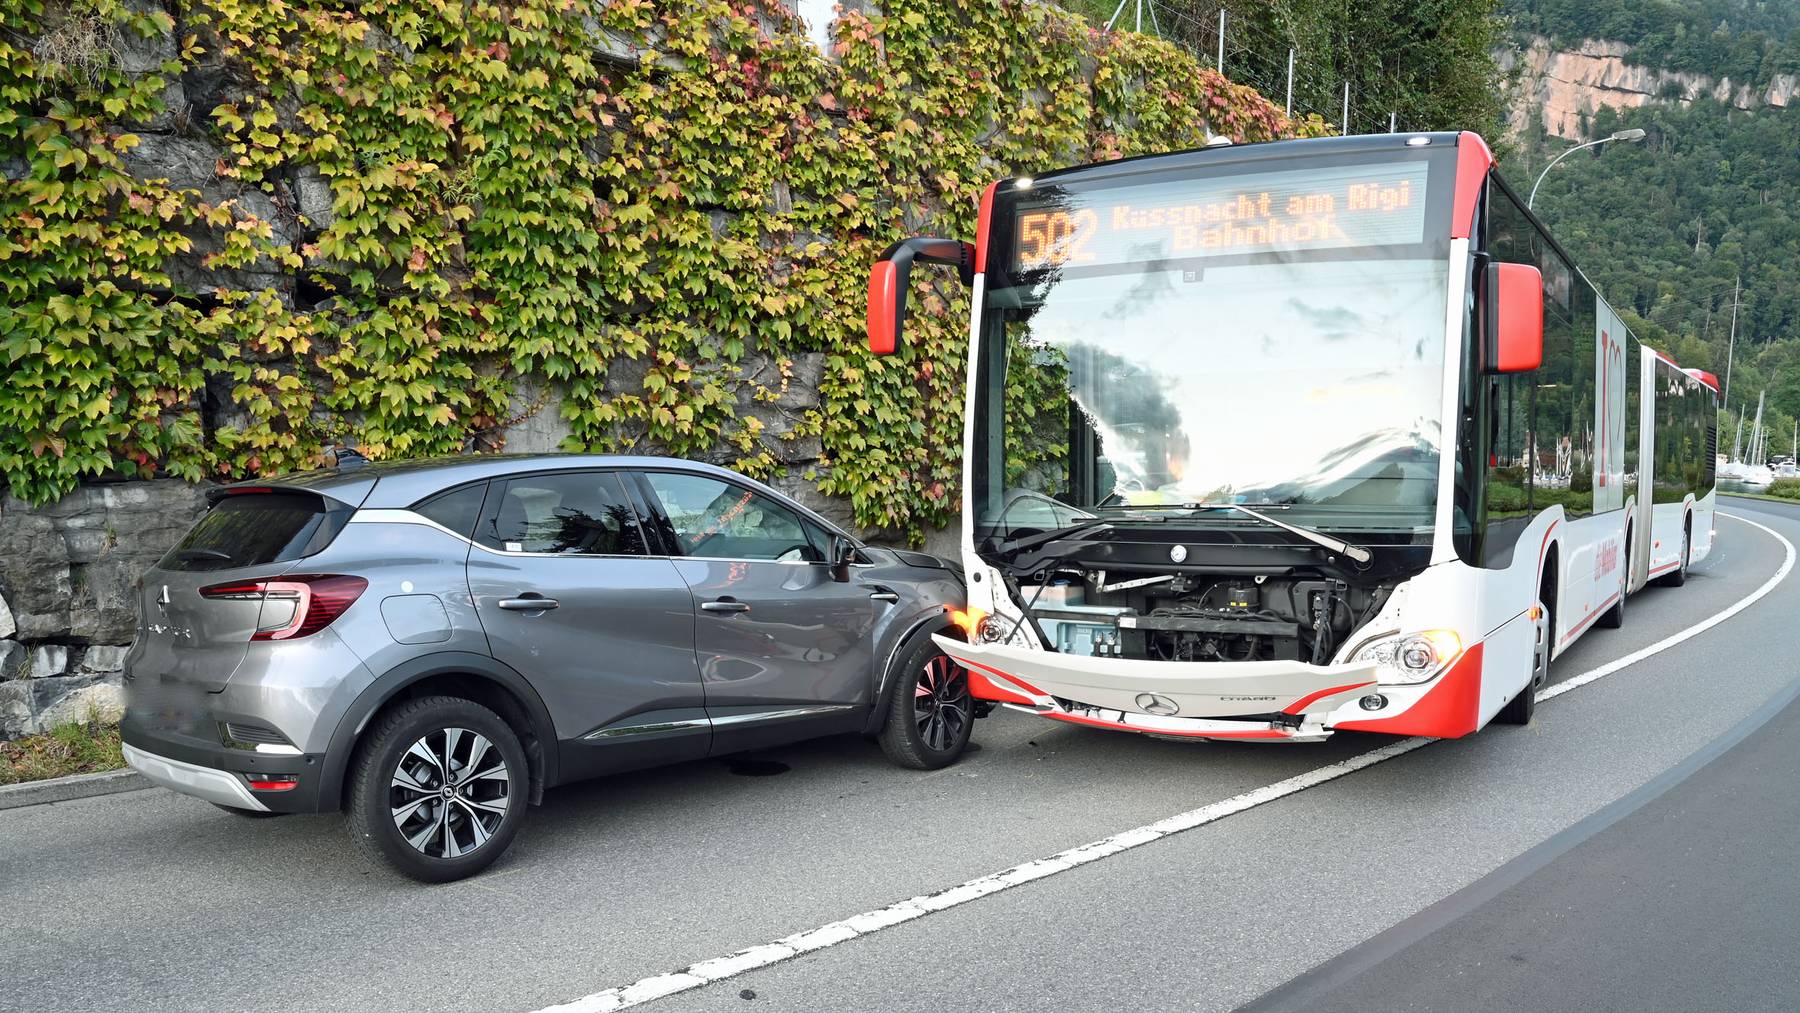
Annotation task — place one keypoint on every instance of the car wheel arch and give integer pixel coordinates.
(474, 676)
(924, 626)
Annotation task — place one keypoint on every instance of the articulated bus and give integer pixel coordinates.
(1265, 441)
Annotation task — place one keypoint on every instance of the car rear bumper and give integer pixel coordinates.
(192, 779)
(1257, 700)
(219, 773)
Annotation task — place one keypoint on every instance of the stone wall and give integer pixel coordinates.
(68, 605)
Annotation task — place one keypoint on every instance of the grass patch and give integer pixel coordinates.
(1785, 488)
(74, 748)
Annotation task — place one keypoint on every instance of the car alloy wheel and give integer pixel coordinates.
(450, 792)
(941, 704)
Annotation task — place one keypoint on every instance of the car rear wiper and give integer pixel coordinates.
(196, 555)
(1354, 551)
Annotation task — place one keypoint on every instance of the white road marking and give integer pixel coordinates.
(1576, 682)
(720, 968)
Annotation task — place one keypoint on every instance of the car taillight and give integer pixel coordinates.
(293, 606)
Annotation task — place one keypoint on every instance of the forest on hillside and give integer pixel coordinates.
(1749, 41)
(1429, 63)
(1667, 226)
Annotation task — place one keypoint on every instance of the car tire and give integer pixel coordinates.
(249, 814)
(930, 713)
(438, 789)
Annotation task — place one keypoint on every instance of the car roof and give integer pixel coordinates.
(400, 484)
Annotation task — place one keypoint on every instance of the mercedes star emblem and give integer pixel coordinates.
(1152, 703)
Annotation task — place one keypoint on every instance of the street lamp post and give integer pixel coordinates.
(1632, 134)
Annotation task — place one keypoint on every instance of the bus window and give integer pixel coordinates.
(1634, 373)
(1511, 239)
(1562, 464)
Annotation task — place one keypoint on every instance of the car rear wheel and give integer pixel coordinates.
(930, 713)
(438, 789)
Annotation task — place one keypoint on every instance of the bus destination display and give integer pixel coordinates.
(1306, 209)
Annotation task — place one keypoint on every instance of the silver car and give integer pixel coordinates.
(428, 646)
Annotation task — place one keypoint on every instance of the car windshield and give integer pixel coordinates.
(1307, 378)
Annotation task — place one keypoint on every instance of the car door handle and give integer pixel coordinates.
(527, 604)
(887, 596)
(724, 605)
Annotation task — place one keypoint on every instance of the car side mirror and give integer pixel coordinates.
(1514, 325)
(843, 550)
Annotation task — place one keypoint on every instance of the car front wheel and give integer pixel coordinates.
(930, 713)
(438, 790)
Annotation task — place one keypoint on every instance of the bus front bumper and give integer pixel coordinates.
(1253, 700)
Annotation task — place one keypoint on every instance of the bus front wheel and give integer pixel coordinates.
(1519, 709)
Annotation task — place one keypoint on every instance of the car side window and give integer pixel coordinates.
(573, 513)
(717, 519)
(457, 509)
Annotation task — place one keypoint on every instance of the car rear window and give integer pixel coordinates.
(253, 529)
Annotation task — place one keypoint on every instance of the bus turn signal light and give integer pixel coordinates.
(968, 621)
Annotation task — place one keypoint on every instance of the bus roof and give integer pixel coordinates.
(1231, 154)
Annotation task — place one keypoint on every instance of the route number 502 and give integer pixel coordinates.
(1056, 238)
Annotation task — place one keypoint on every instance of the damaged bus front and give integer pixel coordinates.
(1211, 481)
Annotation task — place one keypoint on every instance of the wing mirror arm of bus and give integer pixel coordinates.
(1514, 319)
(889, 277)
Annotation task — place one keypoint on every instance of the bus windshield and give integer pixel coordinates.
(1276, 369)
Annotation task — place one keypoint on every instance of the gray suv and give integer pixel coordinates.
(429, 645)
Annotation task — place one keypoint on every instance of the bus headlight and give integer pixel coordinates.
(995, 629)
(1411, 658)
(980, 627)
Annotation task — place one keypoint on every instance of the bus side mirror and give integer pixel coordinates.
(889, 277)
(1515, 318)
(842, 552)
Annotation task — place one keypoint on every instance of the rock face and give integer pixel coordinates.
(68, 607)
(1567, 85)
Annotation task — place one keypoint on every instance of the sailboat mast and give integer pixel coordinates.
(1756, 433)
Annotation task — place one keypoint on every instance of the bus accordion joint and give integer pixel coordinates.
(888, 280)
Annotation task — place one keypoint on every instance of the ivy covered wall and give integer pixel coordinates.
(235, 232)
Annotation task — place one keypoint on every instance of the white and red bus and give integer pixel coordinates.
(1265, 441)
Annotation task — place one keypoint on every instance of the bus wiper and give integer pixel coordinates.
(1319, 538)
(1031, 541)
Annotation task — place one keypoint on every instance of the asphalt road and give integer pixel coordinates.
(1411, 880)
